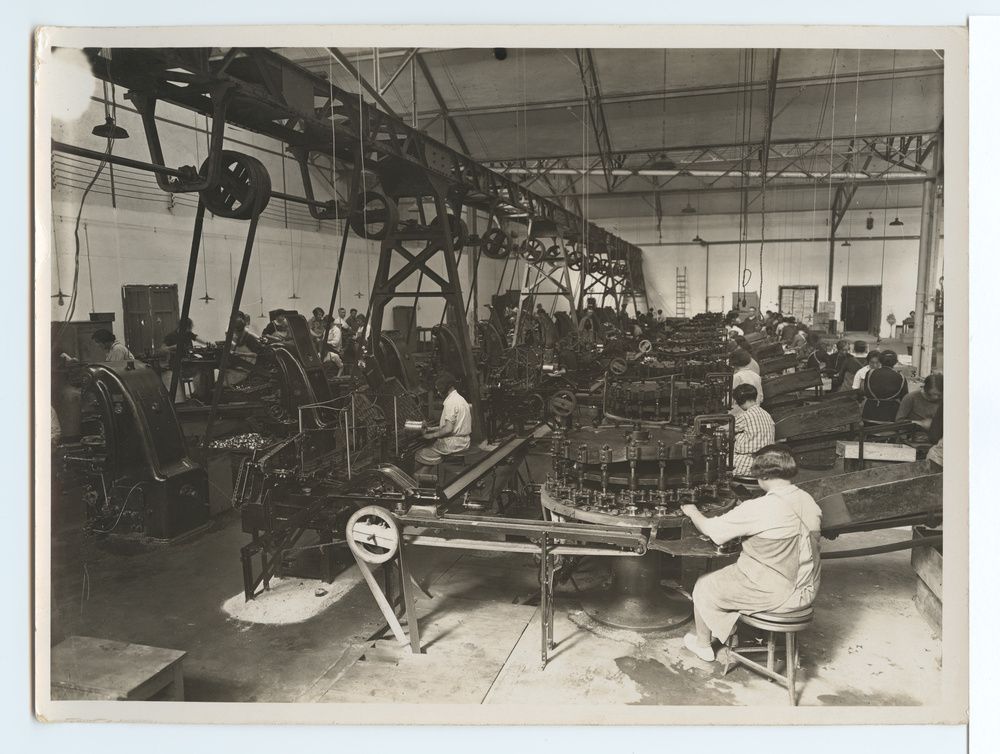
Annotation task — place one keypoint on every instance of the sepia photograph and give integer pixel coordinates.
(597, 384)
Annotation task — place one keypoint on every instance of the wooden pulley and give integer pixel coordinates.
(562, 403)
(372, 535)
(373, 216)
(618, 366)
(496, 244)
(459, 231)
(243, 189)
(533, 250)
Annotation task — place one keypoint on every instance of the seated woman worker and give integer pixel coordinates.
(779, 566)
(921, 406)
(454, 429)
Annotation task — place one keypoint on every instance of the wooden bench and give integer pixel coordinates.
(83, 667)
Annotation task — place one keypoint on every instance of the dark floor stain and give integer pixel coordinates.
(856, 698)
(673, 683)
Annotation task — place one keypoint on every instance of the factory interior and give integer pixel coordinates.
(498, 376)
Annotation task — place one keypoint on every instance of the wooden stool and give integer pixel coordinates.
(458, 460)
(789, 624)
(83, 667)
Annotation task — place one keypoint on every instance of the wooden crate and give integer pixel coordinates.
(877, 451)
(928, 564)
(87, 668)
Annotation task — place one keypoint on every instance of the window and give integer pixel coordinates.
(798, 301)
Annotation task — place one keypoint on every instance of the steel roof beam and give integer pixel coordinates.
(681, 92)
(349, 67)
(592, 91)
(666, 149)
(395, 74)
(443, 107)
(874, 181)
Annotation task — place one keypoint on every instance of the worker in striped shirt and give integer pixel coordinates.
(754, 429)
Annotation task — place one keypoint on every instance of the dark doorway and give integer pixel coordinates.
(861, 308)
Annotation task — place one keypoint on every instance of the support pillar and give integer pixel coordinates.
(923, 321)
(707, 307)
(833, 247)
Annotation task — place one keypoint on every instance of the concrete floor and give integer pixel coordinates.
(868, 644)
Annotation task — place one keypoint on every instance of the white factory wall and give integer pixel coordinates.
(790, 263)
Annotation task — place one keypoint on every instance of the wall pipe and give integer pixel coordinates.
(815, 239)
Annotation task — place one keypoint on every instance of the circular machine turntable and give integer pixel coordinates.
(638, 477)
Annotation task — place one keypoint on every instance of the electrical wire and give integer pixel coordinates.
(90, 268)
(120, 512)
(71, 309)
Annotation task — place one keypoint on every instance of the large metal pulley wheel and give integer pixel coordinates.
(645, 346)
(618, 366)
(574, 260)
(536, 404)
(459, 231)
(562, 403)
(373, 216)
(533, 250)
(243, 189)
(495, 244)
(373, 535)
(553, 252)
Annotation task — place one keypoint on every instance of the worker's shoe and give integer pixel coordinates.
(701, 652)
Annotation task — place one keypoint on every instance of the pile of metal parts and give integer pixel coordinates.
(244, 441)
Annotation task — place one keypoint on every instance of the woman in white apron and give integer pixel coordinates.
(779, 566)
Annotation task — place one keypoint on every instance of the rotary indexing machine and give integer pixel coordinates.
(637, 477)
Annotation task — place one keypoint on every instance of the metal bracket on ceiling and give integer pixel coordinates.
(320, 211)
(191, 179)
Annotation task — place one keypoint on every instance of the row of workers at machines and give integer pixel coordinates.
(884, 390)
(779, 563)
(344, 330)
(337, 337)
(778, 569)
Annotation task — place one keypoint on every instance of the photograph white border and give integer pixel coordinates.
(951, 40)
